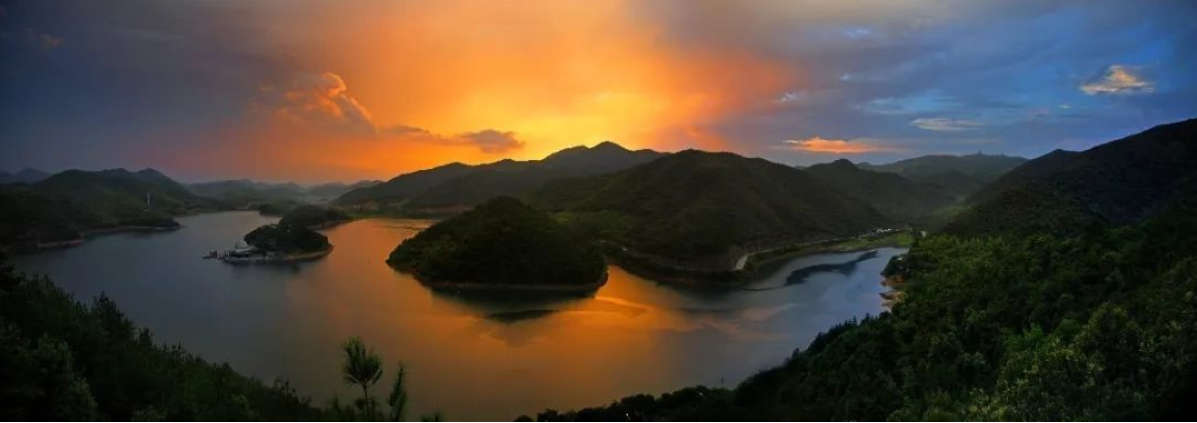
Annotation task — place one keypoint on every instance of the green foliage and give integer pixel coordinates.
(501, 242)
(309, 216)
(276, 208)
(1120, 182)
(62, 206)
(398, 397)
(287, 239)
(362, 367)
(893, 195)
(63, 360)
(1093, 326)
(695, 205)
(959, 175)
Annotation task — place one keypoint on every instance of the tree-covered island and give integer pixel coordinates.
(502, 244)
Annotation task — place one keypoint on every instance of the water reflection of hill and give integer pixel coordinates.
(800, 275)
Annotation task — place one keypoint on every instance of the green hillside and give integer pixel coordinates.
(59, 207)
(500, 243)
(959, 175)
(705, 209)
(310, 216)
(1119, 182)
(893, 195)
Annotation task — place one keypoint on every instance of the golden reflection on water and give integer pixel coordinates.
(473, 358)
(503, 357)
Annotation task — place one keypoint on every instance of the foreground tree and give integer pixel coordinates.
(362, 367)
(398, 398)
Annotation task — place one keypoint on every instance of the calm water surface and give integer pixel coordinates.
(471, 358)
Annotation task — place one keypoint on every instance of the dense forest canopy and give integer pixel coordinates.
(694, 204)
(895, 196)
(502, 242)
(287, 239)
(63, 206)
(311, 216)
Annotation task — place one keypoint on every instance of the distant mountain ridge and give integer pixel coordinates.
(1122, 181)
(459, 186)
(960, 175)
(890, 193)
(25, 176)
(61, 206)
(238, 192)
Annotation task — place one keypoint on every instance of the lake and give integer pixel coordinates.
(472, 358)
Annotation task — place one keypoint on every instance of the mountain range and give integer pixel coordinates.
(1120, 182)
(243, 192)
(456, 186)
(26, 176)
(61, 206)
(892, 194)
(959, 175)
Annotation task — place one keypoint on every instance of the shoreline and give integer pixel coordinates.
(284, 259)
(751, 269)
(476, 287)
(94, 233)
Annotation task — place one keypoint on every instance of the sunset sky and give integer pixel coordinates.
(311, 90)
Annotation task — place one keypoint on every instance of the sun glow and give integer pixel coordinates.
(557, 75)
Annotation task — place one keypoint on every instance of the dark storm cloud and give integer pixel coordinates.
(123, 76)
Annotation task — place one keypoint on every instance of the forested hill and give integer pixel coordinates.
(960, 175)
(459, 186)
(57, 208)
(891, 194)
(695, 205)
(244, 192)
(501, 243)
(119, 191)
(1119, 182)
(24, 176)
(1009, 323)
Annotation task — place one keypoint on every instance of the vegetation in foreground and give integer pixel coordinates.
(67, 361)
(63, 360)
(1067, 292)
(502, 242)
(1098, 326)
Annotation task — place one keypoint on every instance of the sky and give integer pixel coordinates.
(308, 91)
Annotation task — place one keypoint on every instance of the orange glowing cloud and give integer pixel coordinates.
(540, 77)
(820, 145)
